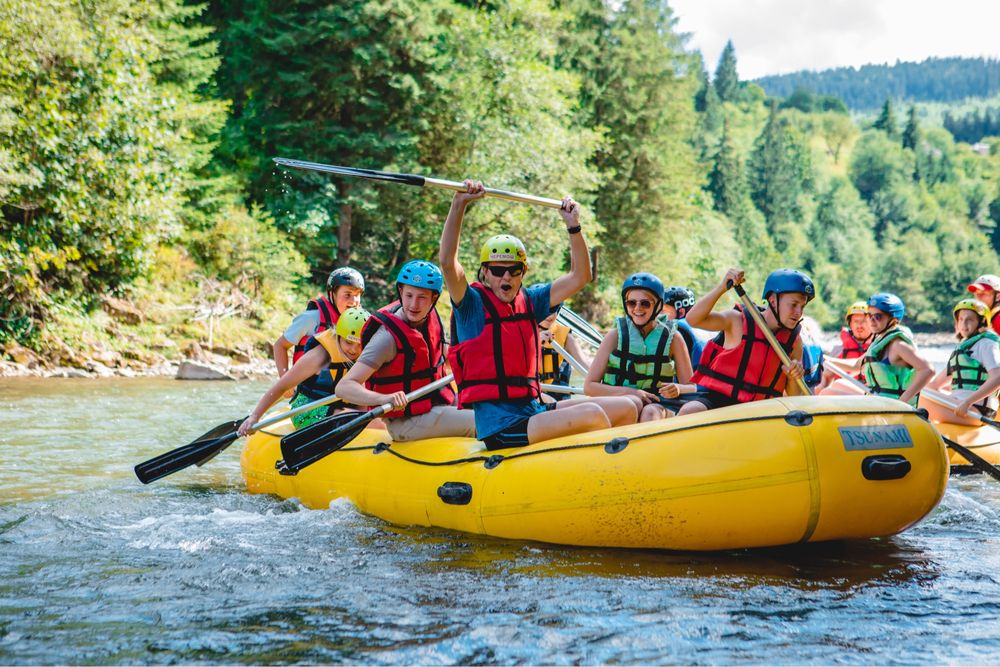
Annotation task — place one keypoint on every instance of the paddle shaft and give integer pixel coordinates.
(583, 334)
(948, 402)
(326, 400)
(580, 368)
(561, 389)
(844, 375)
(775, 345)
(415, 180)
(581, 323)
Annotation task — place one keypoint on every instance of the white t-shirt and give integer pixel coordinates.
(304, 324)
(987, 353)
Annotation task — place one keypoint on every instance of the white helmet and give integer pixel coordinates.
(988, 280)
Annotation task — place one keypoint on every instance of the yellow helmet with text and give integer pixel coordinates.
(503, 248)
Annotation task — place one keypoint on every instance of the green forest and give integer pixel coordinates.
(136, 146)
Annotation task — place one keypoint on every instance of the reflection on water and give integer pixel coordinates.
(97, 568)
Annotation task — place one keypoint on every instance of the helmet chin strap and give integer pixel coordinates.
(777, 318)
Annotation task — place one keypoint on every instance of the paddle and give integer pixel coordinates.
(978, 462)
(415, 180)
(209, 445)
(775, 345)
(947, 401)
(562, 389)
(580, 368)
(312, 443)
(583, 334)
(581, 326)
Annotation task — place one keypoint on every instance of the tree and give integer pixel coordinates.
(727, 80)
(837, 131)
(779, 171)
(886, 120)
(911, 134)
(726, 181)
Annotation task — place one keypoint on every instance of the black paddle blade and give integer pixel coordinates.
(978, 462)
(198, 452)
(315, 441)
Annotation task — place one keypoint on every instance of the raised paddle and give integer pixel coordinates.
(209, 445)
(312, 443)
(413, 179)
(775, 345)
(978, 462)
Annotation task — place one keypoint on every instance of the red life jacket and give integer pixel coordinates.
(501, 363)
(328, 316)
(751, 371)
(995, 322)
(851, 347)
(417, 363)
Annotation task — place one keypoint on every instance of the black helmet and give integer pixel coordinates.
(681, 298)
(345, 275)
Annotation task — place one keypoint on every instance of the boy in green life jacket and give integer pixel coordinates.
(973, 371)
(891, 366)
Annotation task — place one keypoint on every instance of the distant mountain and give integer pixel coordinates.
(867, 87)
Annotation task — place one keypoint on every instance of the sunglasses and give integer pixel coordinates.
(877, 317)
(500, 271)
(633, 303)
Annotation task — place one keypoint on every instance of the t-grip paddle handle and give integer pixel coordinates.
(762, 325)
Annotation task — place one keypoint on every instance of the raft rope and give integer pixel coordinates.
(618, 444)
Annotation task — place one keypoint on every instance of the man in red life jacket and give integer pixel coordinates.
(855, 337)
(404, 350)
(344, 288)
(987, 290)
(738, 365)
(495, 356)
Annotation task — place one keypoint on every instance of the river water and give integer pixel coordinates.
(96, 568)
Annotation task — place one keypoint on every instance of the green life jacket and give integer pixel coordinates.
(965, 370)
(641, 363)
(882, 377)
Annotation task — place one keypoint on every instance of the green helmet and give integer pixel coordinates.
(350, 324)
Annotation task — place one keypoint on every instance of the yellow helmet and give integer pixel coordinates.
(856, 308)
(503, 248)
(350, 324)
(974, 305)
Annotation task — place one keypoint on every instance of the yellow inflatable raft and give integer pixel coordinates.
(982, 440)
(775, 472)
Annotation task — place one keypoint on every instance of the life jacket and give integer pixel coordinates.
(851, 347)
(965, 370)
(418, 361)
(501, 363)
(642, 363)
(328, 316)
(751, 371)
(995, 321)
(325, 382)
(552, 360)
(694, 344)
(882, 377)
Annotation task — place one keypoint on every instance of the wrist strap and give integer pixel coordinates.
(573, 230)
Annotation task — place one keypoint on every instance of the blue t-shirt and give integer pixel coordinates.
(470, 319)
(696, 345)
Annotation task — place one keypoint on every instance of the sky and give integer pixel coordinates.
(780, 36)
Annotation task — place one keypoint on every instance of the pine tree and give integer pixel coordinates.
(886, 120)
(911, 134)
(779, 171)
(726, 181)
(727, 80)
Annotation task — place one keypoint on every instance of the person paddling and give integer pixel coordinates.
(642, 356)
(333, 350)
(987, 290)
(973, 370)
(495, 324)
(404, 350)
(891, 366)
(739, 365)
(677, 301)
(344, 288)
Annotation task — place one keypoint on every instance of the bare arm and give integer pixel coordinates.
(701, 315)
(905, 353)
(280, 349)
(311, 363)
(579, 274)
(593, 385)
(989, 388)
(454, 274)
(796, 371)
(351, 389)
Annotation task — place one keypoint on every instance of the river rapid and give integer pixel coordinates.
(96, 568)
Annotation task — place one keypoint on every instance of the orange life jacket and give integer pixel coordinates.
(418, 361)
(751, 371)
(851, 347)
(501, 363)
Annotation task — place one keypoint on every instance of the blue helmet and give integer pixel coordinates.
(646, 281)
(888, 303)
(421, 273)
(784, 281)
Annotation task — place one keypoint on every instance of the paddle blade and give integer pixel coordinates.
(977, 462)
(200, 451)
(312, 443)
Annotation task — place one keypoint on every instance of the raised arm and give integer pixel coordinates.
(579, 257)
(454, 274)
(701, 315)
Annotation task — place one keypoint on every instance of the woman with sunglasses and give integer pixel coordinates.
(495, 328)
(642, 357)
(973, 371)
(891, 366)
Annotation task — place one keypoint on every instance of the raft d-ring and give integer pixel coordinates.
(615, 445)
(283, 469)
(380, 447)
(799, 418)
(493, 461)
